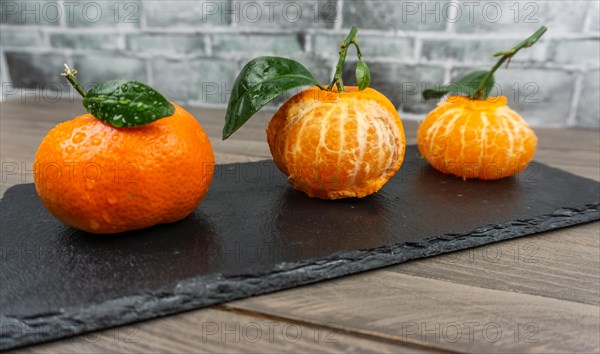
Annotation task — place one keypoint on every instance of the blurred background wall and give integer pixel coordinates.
(191, 51)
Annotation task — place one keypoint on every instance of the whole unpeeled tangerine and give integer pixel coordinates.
(337, 144)
(103, 179)
(476, 138)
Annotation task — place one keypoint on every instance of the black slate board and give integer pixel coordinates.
(252, 235)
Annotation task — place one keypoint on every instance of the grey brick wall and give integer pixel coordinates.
(192, 50)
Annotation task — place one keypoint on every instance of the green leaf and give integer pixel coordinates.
(126, 103)
(363, 75)
(259, 82)
(466, 85)
(531, 40)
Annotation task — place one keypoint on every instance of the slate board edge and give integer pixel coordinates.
(193, 293)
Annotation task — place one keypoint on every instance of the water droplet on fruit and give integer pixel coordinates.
(96, 141)
(103, 134)
(95, 225)
(106, 217)
(112, 200)
(78, 137)
(70, 149)
(118, 121)
(163, 140)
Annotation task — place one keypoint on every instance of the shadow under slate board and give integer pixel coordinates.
(254, 234)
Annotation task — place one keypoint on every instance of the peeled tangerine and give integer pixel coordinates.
(337, 144)
(476, 139)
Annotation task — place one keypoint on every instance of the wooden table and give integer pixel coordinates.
(533, 294)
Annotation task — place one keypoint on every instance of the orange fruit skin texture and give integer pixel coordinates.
(335, 145)
(476, 139)
(103, 179)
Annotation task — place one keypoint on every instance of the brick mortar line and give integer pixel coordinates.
(544, 46)
(308, 43)
(529, 64)
(46, 39)
(232, 24)
(339, 15)
(571, 120)
(418, 49)
(143, 20)
(149, 72)
(68, 58)
(440, 35)
(451, 25)
(448, 72)
(63, 21)
(587, 21)
(208, 46)
(583, 67)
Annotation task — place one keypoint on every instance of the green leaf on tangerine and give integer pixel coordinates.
(126, 103)
(363, 75)
(466, 85)
(259, 82)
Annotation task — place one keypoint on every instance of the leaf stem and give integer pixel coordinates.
(507, 55)
(337, 77)
(69, 74)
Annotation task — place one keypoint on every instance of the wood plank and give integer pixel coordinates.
(215, 330)
(591, 172)
(568, 139)
(242, 147)
(222, 157)
(585, 158)
(539, 265)
(437, 313)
